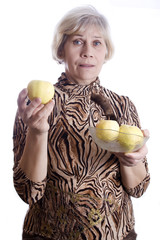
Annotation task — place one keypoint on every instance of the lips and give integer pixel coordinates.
(86, 65)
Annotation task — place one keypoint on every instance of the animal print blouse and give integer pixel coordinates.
(82, 196)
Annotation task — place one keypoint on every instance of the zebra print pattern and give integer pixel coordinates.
(82, 197)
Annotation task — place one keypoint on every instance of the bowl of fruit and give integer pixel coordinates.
(124, 138)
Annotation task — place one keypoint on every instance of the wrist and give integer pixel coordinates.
(37, 132)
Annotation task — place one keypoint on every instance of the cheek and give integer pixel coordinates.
(70, 56)
(101, 59)
(103, 56)
(67, 59)
(70, 63)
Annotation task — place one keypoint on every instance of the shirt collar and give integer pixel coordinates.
(68, 86)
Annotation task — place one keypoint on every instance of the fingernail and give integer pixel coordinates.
(127, 154)
(37, 100)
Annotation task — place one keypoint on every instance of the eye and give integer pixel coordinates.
(77, 42)
(96, 43)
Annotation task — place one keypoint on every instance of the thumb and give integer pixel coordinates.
(146, 132)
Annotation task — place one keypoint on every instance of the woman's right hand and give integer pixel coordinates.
(35, 115)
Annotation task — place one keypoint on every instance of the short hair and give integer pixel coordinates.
(76, 20)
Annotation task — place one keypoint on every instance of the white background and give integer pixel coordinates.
(26, 31)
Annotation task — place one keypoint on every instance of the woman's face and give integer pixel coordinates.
(84, 54)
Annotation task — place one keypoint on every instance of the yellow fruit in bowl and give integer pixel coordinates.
(107, 130)
(40, 89)
(130, 136)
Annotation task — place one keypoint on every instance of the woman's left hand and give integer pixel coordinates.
(133, 158)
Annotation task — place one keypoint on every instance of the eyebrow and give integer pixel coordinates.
(80, 35)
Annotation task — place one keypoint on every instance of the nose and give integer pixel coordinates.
(87, 51)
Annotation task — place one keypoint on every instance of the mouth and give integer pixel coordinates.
(86, 65)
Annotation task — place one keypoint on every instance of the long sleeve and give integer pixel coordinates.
(139, 190)
(125, 112)
(130, 116)
(28, 190)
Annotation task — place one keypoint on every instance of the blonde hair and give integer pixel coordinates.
(77, 20)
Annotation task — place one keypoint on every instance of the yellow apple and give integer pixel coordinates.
(40, 89)
(107, 130)
(130, 136)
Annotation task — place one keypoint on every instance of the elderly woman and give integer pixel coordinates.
(75, 189)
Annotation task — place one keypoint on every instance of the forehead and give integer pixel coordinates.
(93, 31)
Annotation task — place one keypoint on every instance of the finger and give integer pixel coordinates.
(124, 160)
(128, 163)
(138, 155)
(21, 99)
(43, 113)
(48, 107)
(38, 109)
(31, 108)
(146, 132)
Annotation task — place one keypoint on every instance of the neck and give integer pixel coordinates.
(80, 81)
